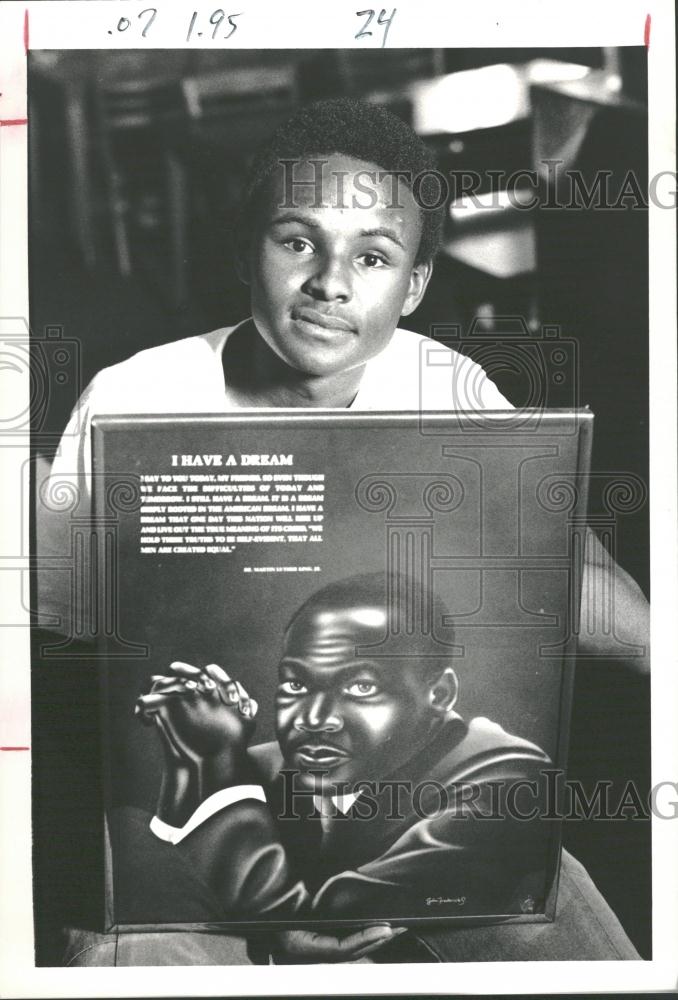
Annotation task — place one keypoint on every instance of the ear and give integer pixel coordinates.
(444, 689)
(242, 261)
(419, 279)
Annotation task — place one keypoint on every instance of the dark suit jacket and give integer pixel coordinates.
(252, 861)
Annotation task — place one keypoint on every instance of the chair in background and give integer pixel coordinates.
(127, 116)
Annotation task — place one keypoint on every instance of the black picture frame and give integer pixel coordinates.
(396, 460)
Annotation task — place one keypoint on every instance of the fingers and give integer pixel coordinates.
(244, 701)
(218, 677)
(162, 683)
(156, 699)
(233, 691)
(193, 678)
(364, 941)
(185, 670)
(187, 679)
(374, 945)
(148, 705)
(312, 947)
(217, 673)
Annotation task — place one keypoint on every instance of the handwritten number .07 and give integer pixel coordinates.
(216, 19)
(124, 23)
(382, 20)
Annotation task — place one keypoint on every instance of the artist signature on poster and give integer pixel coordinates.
(440, 900)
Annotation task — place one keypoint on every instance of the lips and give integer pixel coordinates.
(326, 321)
(316, 753)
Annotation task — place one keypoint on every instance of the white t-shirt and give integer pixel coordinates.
(186, 376)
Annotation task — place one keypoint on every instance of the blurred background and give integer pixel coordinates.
(137, 160)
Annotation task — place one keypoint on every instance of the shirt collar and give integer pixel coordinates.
(341, 802)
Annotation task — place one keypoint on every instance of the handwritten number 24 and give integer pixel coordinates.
(382, 20)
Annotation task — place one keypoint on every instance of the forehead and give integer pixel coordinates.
(339, 191)
(331, 643)
(328, 636)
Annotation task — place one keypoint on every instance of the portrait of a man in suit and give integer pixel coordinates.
(377, 801)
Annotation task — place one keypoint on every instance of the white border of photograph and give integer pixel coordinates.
(60, 24)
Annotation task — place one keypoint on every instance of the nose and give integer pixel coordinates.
(330, 281)
(319, 715)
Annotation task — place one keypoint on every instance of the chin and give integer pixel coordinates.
(319, 366)
(314, 782)
(311, 783)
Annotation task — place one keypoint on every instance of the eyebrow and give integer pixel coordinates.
(310, 222)
(303, 220)
(342, 674)
(388, 234)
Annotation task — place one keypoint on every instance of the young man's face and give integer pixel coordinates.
(330, 278)
(356, 719)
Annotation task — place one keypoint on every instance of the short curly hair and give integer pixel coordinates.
(366, 132)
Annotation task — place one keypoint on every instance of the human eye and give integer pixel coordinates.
(372, 260)
(298, 245)
(362, 689)
(292, 687)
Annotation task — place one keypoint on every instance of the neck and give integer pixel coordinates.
(260, 378)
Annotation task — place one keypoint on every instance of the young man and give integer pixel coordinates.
(375, 802)
(335, 244)
(335, 248)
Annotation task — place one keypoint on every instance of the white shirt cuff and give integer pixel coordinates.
(219, 800)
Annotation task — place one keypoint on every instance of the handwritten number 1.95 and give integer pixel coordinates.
(216, 19)
(382, 20)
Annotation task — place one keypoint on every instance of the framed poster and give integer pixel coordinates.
(352, 658)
